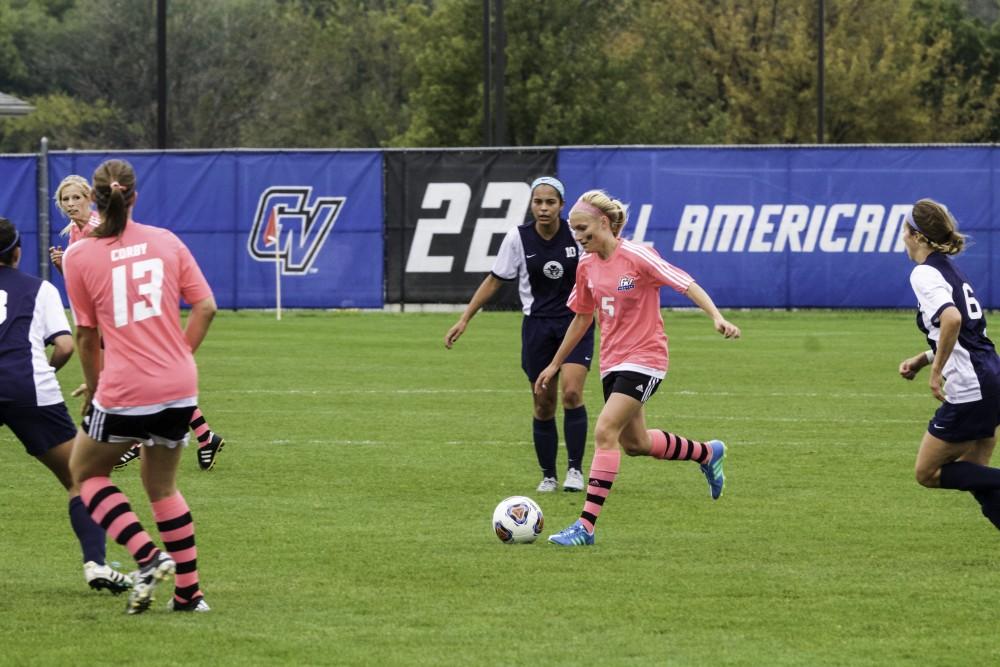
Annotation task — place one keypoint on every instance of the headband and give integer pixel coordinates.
(585, 207)
(549, 180)
(910, 222)
(13, 244)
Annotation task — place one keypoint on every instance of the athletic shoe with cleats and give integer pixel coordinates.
(208, 453)
(713, 469)
(547, 485)
(574, 536)
(131, 455)
(198, 604)
(144, 582)
(574, 480)
(105, 577)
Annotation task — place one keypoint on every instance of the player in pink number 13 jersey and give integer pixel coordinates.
(621, 280)
(73, 198)
(125, 282)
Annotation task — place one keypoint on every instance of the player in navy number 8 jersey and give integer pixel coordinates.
(542, 256)
(965, 369)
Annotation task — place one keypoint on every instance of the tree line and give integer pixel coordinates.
(393, 73)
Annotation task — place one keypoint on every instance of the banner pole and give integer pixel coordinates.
(277, 270)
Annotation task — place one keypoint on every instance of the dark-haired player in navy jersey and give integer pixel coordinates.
(542, 256)
(965, 369)
(31, 403)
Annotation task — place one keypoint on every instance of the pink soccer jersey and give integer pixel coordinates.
(625, 291)
(129, 288)
(76, 233)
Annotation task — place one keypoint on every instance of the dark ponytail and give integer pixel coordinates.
(114, 193)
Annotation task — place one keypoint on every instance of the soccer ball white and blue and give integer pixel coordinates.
(518, 520)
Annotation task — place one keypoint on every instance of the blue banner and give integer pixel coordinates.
(317, 215)
(796, 227)
(19, 204)
(758, 227)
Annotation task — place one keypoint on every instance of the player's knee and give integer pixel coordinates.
(572, 398)
(545, 410)
(605, 438)
(927, 478)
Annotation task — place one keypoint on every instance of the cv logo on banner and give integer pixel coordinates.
(291, 227)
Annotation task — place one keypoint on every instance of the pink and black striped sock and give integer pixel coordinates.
(675, 448)
(109, 507)
(200, 427)
(603, 470)
(173, 518)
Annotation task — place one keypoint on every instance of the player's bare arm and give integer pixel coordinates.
(490, 285)
(701, 299)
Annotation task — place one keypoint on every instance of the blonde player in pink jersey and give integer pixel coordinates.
(621, 280)
(74, 200)
(125, 282)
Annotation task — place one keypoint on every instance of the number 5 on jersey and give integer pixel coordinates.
(608, 305)
(147, 275)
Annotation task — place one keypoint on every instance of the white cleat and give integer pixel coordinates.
(547, 485)
(574, 480)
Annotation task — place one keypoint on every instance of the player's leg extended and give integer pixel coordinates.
(981, 453)
(574, 423)
(545, 436)
(962, 466)
(98, 574)
(91, 463)
(173, 519)
(210, 443)
(618, 411)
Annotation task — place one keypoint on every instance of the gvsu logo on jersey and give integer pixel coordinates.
(626, 283)
(291, 227)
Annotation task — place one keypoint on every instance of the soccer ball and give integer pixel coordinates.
(518, 520)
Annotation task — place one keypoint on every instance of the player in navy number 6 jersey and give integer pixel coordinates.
(542, 257)
(965, 369)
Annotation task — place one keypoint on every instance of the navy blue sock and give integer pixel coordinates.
(575, 430)
(546, 445)
(989, 501)
(966, 476)
(90, 534)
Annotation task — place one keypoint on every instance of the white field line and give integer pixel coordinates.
(668, 392)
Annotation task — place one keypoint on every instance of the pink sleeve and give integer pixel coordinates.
(80, 301)
(661, 272)
(193, 286)
(580, 299)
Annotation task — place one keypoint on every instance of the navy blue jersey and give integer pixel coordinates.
(545, 270)
(31, 316)
(973, 369)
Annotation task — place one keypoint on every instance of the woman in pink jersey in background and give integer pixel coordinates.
(73, 197)
(622, 280)
(125, 282)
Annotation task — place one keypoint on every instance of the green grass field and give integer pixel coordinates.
(348, 520)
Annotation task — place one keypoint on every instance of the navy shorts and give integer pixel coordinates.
(639, 386)
(961, 422)
(166, 427)
(542, 336)
(39, 428)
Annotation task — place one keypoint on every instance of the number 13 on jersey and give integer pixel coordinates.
(147, 275)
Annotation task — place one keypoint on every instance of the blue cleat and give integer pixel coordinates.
(713, 469)
(574, 536)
